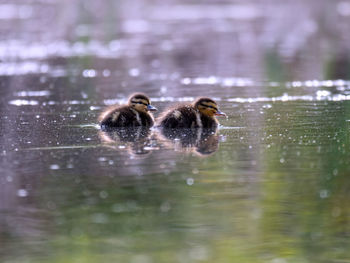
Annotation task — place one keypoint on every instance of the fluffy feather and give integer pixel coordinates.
(132, 115)
(201, 114)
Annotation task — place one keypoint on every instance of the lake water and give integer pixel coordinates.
(270, 185)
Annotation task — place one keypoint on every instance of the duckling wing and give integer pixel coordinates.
(120, 117)
(209, 122)
(183, 117)
(146, 119)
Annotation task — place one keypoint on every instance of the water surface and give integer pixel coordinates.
(270, 185)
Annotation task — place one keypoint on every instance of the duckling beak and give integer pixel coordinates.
(220, 113)
(151, 108)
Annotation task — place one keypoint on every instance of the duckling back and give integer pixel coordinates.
(184, 116)
(125, 116)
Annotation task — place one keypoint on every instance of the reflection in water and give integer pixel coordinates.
(199, 140)
(136, 140)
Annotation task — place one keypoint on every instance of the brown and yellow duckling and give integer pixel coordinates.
(201, 114)
(135, 113)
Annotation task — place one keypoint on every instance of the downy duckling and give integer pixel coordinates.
(201, 114)
(135, 113)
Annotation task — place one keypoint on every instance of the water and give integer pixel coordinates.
(270, 185)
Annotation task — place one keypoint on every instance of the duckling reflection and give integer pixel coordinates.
(202, 141)
(137, 141)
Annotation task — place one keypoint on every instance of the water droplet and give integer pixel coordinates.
(89, 73)
(94, 108)
(22, 193)
(134, 72)
(323, 93)
(103, 194)
(118, 208)
(106, 72)
(324, 194)
(190, 181)
(114, 45)
(163, 89)
(54, 167)
(186, 81)
(165, 207)
(166, 45)
(84, 95)
(267, 106)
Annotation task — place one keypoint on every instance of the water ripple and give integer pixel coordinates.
(14, 49)
(247, 82)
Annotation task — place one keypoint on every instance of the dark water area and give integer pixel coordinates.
(270, 185)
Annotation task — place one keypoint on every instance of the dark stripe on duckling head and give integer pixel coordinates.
(206, 102)
(139, 101)
(212, 106)
(137, 97)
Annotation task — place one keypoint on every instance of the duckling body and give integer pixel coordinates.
(186, 117)
(125, 116)
(201, 114)
(135, 113)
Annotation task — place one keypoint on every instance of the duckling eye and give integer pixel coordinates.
(140, 102)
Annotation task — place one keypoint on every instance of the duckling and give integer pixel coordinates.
(135, 113)
(201, 114)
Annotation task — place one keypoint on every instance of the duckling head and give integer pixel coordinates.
(208, 107)
(141, 102)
